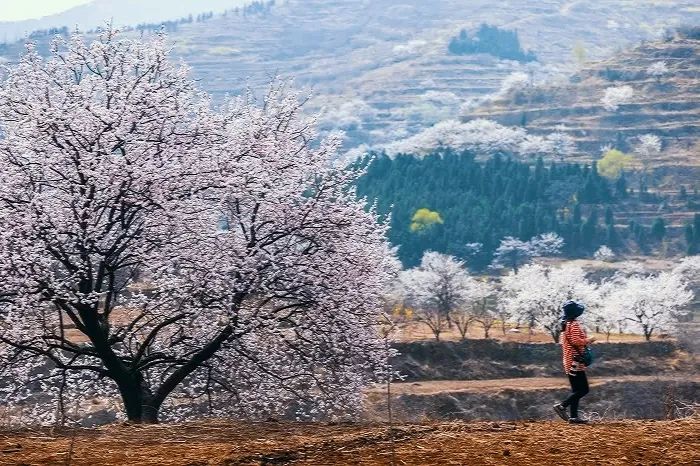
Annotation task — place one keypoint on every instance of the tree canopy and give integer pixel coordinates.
(501, 43)
(165, 253)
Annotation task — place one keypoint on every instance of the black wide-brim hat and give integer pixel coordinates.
(572, 310)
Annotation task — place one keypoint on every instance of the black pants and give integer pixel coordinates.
(579, 389)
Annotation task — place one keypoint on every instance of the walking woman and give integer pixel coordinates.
(573, 342)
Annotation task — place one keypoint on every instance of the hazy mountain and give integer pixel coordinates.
(122, 12)
(381, 69)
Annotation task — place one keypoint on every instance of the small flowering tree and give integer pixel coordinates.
(562, 143)
(689, 269)
(604, 253)
(475, 309)
(513, 83)
(514, 253)
(650, 302)
(412, 283)
(616, 96)
(437, 289)
(658, 70)
(607, 317)
(482, 309)
(546, 244)
(264, 276)
(533, 146)
(648, 148)
(503, 313)
(535, 292)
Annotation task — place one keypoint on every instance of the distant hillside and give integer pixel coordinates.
(122, 12)
(664, 81)
(485, 202)
(381, 69)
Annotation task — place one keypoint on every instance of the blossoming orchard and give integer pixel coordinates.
(163, 257)
(181, 259)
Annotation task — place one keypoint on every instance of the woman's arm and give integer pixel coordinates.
(576, 335)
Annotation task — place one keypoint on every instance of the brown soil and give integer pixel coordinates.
(432, 387)
(453, 443)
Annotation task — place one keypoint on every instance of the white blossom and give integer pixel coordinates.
(514, 82)
(438, 288)
(484, 137)
(513, 253)
(533, 146)
(689, 268)
(606, 316)
(616, 96)
(658, 69)
(649, 146)
(650, 302)
(262, 276)
(604, 253)
(562, 143)
(535, 293)
(480, 136)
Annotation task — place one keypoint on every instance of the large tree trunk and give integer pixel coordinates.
(139, 403)
(141, 411)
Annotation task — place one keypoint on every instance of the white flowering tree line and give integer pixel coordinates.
(484, 138)
(534, 294)
(113, 165)
(443, 293)
(646, 303)
(650, 303)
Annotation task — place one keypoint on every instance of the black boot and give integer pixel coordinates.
(560, 409)
(578, 420)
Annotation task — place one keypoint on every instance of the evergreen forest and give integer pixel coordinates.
(488, 39)
(448, 201)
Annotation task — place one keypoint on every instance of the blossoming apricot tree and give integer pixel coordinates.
(180, 259)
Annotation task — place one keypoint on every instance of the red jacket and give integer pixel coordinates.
(573, 341)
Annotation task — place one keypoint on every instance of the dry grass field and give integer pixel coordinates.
(452, 443)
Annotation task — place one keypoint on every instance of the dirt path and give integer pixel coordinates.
(431, 387)
(453, 443)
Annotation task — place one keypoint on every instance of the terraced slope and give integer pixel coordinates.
(381, 67)
(667, 106)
